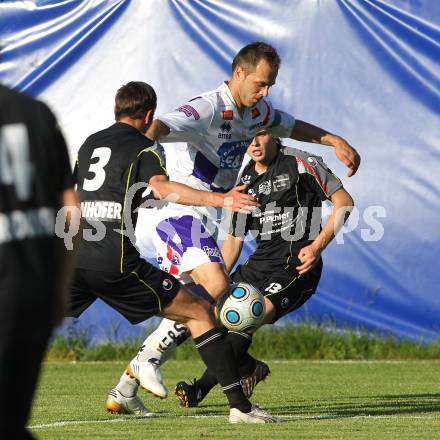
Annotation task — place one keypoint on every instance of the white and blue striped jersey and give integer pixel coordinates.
(210, 139)
(216, 137)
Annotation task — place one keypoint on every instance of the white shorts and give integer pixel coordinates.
(180, 238)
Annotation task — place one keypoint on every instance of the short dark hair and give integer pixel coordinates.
(251, 54)
(134, 99)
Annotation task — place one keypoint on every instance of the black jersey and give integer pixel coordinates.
(34, 172)
(290, 193)
(109, 163)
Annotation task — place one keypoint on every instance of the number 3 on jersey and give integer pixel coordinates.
(103, 154)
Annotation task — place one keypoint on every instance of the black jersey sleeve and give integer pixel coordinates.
(151, 163)
(318, 177)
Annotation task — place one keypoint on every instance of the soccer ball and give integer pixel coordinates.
(243, 309)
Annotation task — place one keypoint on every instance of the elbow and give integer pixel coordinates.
(348, 206)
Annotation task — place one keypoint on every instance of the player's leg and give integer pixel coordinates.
(144, 367)
(161, 344)
(284, 293)
(212, 277)
(216, 353)
(194, 256)
(147, 291)
(251, 370)
(156, 349)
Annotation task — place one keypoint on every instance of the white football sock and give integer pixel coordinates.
(162, 343)
(127, 386)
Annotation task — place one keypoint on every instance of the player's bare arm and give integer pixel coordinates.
(234, 199)
(157, 130)
(342, 206)
(231, 250)
(305, 132)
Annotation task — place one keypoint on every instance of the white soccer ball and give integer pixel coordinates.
(244, 308)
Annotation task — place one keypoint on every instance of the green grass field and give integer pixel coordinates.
(319, 400)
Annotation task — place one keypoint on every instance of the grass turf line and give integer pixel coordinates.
(321, 400)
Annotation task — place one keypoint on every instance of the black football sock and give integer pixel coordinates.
(217, 355)
(240, 343)
(206, 383)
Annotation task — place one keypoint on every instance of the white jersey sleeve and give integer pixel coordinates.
(264, 117)
(282, 124)
(189, 122)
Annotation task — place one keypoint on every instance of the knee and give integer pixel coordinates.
(217, 285)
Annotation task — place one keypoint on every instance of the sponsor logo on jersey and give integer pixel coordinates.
(228, 115)
(211, 252)
(225, 136)
(275, 218)
(281, 182)
(189, 111)
(264, 188)
(101, 210)
(231, 154)
(226, 127)
(255, 113)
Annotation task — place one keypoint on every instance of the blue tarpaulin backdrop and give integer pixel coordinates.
(366, 69)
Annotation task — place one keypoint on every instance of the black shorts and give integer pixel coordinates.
(284, 288)
(137, 295)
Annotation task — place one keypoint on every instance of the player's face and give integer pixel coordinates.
(263, 148)
(255, 85)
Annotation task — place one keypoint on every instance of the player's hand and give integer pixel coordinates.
(308, 256)
(235, 200)
(346, 154)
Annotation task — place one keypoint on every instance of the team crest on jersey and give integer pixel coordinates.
(228, 115)
(246, 179)
(264, 188)
(255, 113)
(284, 302)
(282, 181)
